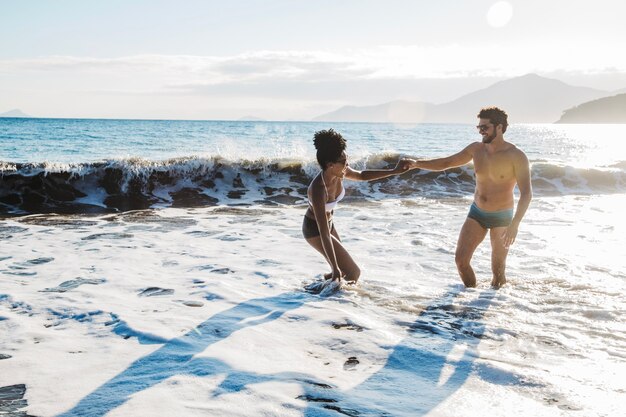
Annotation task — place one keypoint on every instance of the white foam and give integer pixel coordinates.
(260, 345)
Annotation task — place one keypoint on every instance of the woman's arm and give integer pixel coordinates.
(317, 198)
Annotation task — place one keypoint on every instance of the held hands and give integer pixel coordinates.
(403, 165)
(413, 163)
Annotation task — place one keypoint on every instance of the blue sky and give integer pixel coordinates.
(290, 59)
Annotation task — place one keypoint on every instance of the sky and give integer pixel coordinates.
(291, 59)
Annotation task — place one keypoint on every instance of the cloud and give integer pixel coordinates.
(324, 79)
(378, 63)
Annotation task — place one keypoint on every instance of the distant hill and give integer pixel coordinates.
(14, 113)
(605, 110)
(395, 112)
(529, 98)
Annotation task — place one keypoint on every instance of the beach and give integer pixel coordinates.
(183, 294)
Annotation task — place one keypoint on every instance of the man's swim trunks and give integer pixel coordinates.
(490, 219)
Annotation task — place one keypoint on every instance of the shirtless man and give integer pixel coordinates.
(499, 166)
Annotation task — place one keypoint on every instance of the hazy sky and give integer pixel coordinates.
(291, 59)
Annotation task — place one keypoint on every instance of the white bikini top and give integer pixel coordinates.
(330, 206)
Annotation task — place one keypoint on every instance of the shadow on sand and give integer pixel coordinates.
(176, 357)
(410, 383)
(424, 369)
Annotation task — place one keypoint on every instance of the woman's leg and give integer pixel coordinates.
(333, 232)
(347, 265)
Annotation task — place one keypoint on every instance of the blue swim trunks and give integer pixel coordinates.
(490, 219)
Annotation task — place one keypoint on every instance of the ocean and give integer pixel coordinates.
(158, 268)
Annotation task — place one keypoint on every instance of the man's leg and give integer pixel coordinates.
(470, 237)
(498, 257)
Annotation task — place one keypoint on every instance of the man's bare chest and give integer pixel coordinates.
(497, 167)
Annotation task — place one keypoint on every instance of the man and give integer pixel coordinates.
(499, 166)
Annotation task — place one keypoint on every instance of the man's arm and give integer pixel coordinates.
(522, 175)
(403, 165)
(440, 164)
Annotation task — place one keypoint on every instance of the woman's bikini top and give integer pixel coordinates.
(330, 206)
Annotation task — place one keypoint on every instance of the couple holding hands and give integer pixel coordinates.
(498, 165)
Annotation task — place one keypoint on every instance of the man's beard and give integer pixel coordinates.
(489, 139)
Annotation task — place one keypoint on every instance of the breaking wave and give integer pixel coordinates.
(132, 184)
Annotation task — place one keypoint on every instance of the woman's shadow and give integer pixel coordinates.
(409, 384)
(176, 357)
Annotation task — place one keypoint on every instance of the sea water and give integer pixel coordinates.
(157, 268)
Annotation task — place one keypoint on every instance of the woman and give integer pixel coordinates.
(325, 191)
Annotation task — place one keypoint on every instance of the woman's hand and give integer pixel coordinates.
(403, 165)
(336, 274)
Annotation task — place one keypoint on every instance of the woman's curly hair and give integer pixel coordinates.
(330, 145)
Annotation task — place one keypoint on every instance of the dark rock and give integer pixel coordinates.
(254, 171)
(284, 199)
(348, 326)
(12, 400)
(135, 186)
(351, 363)
(32, 202)
(72, 284)
(209, 183)
(192, 197)
(236, 194)
(238, 182)
(79, 208)
(35, 182)
(11, 199)
(162, 177)
(310, 398)
(125, 202)
(302, 178)
(345, 411)
(155, 291)
(59, 192)
(112, 180)
(59, 177)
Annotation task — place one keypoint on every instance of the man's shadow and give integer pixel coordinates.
(423, 370)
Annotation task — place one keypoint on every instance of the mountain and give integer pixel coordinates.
(527, 99)
(605, 110)
(622, 91)
(14, 113)
(393, 112)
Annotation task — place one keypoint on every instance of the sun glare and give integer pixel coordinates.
(499, 14)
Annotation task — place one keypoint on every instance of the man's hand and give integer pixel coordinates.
(509, 235)
(413, 163)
